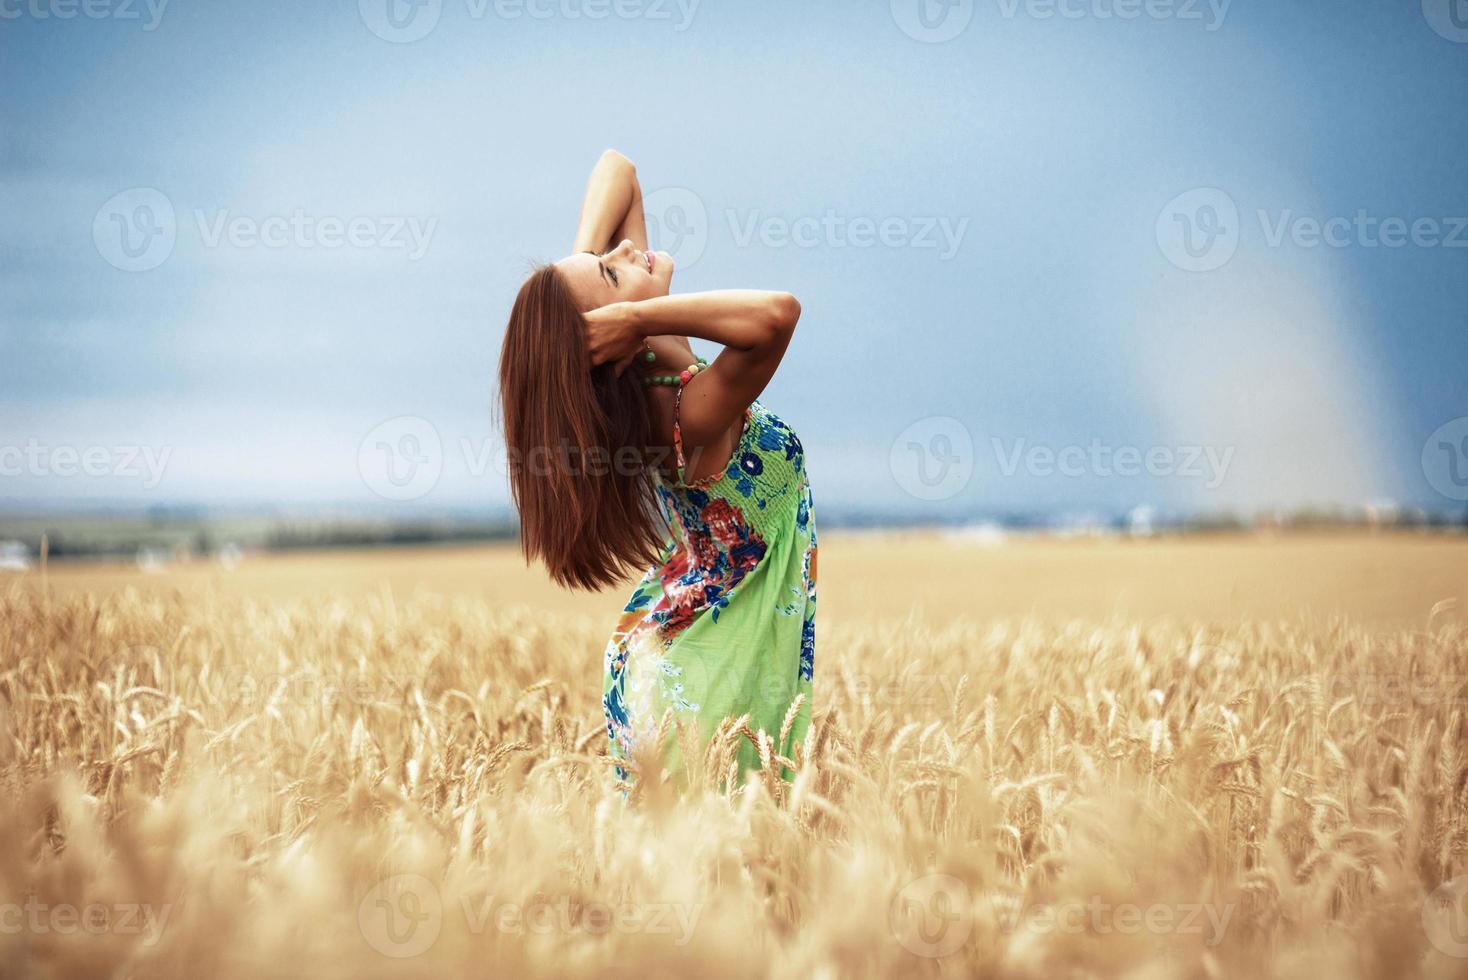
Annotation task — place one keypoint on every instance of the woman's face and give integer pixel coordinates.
(623, 274)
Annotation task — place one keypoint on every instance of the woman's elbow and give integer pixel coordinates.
(612, 158)
(784, 311)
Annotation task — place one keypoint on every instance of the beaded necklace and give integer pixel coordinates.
(680, 379)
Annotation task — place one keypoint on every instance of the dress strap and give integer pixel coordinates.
(677, 433)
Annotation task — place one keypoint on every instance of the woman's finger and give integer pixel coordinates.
(595, 348)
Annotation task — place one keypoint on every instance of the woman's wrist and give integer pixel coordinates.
(642, 315)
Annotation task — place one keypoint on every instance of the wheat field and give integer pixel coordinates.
(1226, 758)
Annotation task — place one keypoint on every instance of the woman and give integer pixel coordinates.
(628, 454)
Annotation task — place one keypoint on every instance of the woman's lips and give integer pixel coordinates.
(651, 261)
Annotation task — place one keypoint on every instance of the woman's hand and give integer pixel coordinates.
(614, 334)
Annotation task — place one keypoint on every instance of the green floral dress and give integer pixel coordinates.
(724, 624)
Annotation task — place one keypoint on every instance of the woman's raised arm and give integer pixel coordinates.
(612, 207)
(753, 325)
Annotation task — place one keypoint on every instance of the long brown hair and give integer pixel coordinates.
(576, 441)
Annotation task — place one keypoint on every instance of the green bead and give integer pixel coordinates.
(649, 356)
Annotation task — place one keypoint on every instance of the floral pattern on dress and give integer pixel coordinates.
(721, 548)
(723, 528)
(805, 520)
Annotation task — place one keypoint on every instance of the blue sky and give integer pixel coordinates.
(1023, 285)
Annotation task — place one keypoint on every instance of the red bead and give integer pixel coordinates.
(684, 377)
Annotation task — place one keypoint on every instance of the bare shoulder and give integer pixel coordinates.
(707, 413)
(706, 451)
